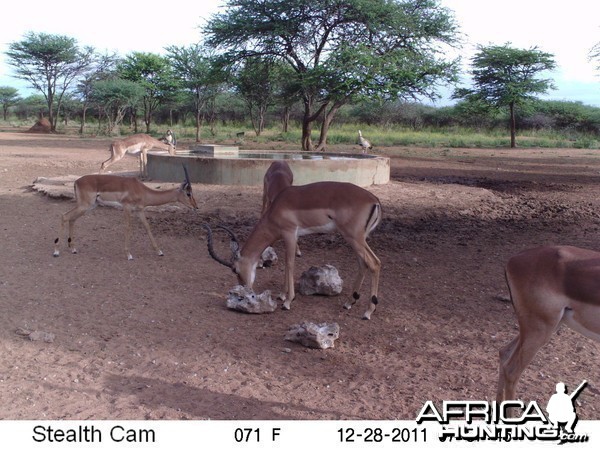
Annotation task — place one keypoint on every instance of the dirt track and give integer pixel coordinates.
(151, 338)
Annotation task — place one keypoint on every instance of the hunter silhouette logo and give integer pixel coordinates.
(561, 407)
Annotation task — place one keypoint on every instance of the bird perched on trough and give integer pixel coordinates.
(365, 145)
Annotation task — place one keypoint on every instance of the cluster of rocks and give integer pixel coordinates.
(323, 280)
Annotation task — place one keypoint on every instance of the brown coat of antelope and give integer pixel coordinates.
(322, 207)
(548, 286)
(135, 144)
(278, 177)
(126, 192)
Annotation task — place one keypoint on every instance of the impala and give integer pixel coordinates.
(135, 144)
(548, 286)
(278, 177)
(322, 207)
(127, 192)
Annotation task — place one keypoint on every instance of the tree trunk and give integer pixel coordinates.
(329, 116)
(307, 144)
(513, 126)
(285, 119)
(307, 121)
(198, 125)
(83, 113)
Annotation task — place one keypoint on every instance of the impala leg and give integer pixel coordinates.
(505, 353)
(143, 164)
(70, 216)
(105, 164)
(366, 260)
(517, 355)
(290, 260)
(358, 281)
(144, 221)
(110, 161)
(127, 213)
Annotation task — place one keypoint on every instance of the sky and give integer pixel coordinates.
(566, 30)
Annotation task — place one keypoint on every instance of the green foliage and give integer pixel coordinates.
(114, 96)
(9, 96)
(50, 63)
(506, 77)
(154, 74)
(341, 51)
(503, 75)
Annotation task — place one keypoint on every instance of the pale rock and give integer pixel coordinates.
(324, 280)
(246, 300)
(314, 335)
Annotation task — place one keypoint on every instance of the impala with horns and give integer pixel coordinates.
(126, 192)
(548, 286)
(134, 145)
(322, 207)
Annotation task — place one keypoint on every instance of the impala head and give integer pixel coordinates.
(187, 197)
(243, 266)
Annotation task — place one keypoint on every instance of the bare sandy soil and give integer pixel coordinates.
(152, 338)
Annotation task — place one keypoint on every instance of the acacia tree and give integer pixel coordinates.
(257, 83)
(49, 63)
(114, 97)
(194, 67)
(508, 77)
(341, 50)
(154, 74)
(102, 68)
(9, 96)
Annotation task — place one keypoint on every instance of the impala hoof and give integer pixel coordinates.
(56, 253)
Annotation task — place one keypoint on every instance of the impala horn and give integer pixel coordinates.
(211, 251)
(187, 175)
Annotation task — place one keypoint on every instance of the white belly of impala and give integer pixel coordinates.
(104, 202)
(326, 228)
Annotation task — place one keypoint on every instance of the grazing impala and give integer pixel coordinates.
(548, 286)
(322, 207)
(135, 144)
(128, 192)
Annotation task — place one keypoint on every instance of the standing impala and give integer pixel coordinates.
(128, 192)
(548, 286)
(135, 144)
(322, 207)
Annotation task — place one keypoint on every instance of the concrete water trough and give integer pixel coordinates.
(213, 164)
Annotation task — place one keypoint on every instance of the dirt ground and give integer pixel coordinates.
(152, 338)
